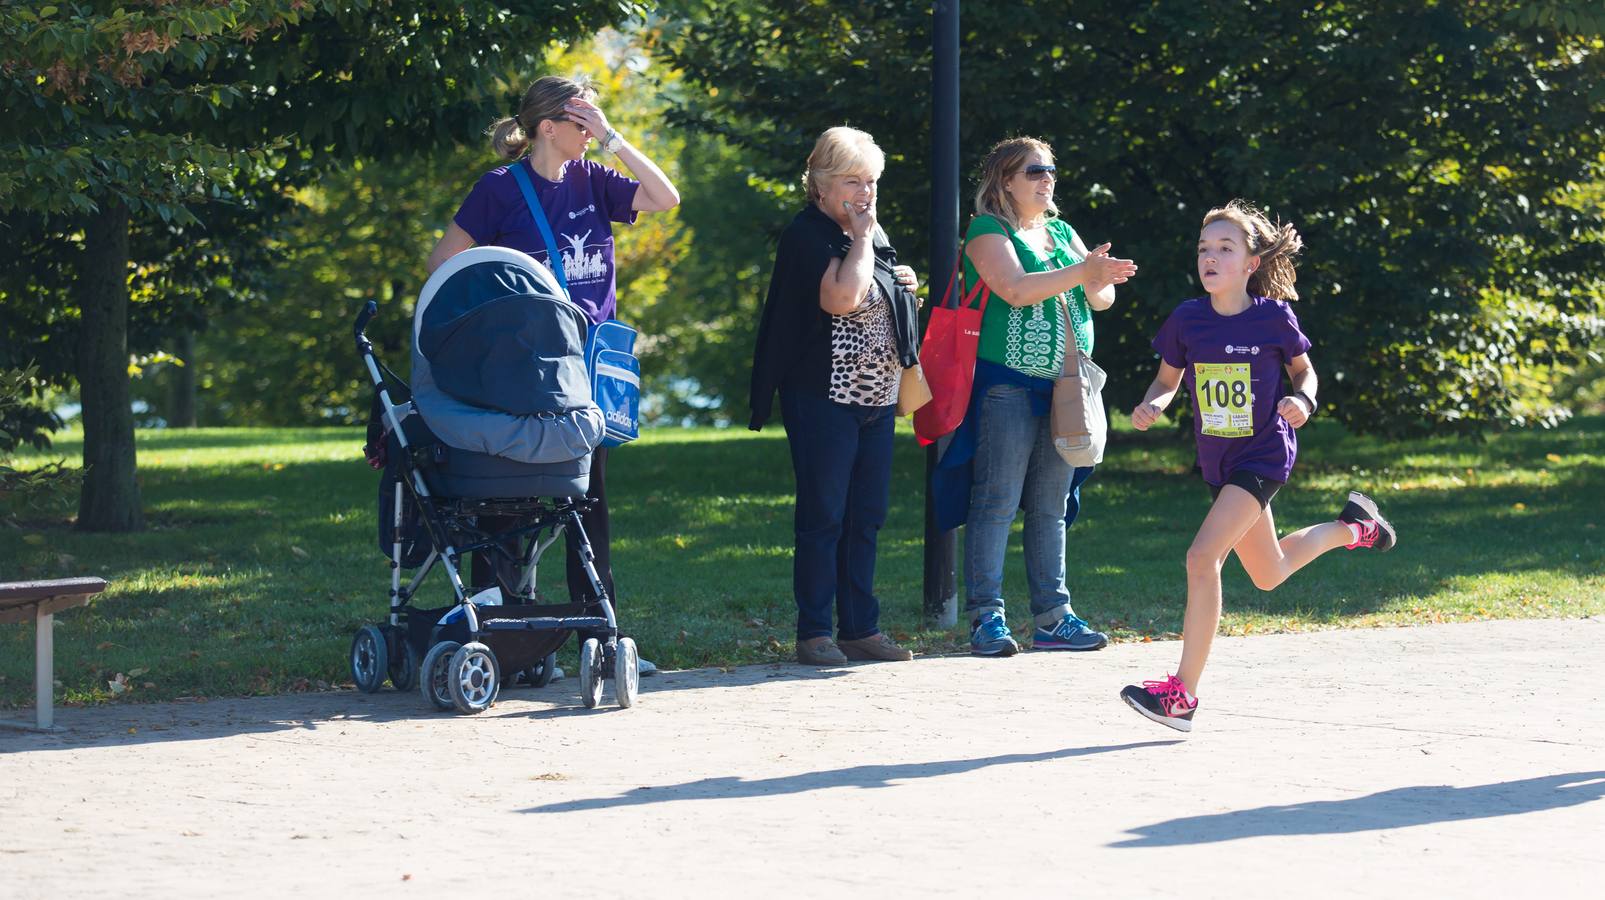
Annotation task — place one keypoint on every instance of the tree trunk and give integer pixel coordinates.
(182, 409)
(110, 498)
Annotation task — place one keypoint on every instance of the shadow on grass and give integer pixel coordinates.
(1398, 808)
(873, 776)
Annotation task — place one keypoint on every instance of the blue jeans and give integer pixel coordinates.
(842, 457)
(1016, 467)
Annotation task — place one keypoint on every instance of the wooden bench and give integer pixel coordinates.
(40, 601)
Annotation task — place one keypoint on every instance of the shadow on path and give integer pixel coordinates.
(1398, 808)
(876, 776)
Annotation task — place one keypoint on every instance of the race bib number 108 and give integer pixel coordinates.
(1225, 399)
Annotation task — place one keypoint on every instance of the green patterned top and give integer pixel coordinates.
(1030, 339)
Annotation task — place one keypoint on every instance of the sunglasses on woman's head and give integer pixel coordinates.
(1039, 172)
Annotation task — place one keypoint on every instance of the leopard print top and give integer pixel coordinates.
(864, 369)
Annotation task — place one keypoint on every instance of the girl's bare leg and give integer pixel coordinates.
(1233, 515)
(1270, 562)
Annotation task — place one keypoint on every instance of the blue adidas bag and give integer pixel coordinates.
(615, 380)
(609, 346)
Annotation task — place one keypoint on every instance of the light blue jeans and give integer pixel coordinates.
(1016, 467)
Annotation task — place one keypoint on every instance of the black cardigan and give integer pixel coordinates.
(792, 318)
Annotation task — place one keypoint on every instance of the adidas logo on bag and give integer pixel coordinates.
(619, 417)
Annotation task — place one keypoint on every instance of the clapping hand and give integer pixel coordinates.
(1103, 270)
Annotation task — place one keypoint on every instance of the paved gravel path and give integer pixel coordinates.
(1459, 760)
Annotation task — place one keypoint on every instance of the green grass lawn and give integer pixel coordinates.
(261, 557)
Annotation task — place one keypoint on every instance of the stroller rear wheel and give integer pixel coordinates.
(473, 677)
(403, 664)
(368, 659)
(591, 673)
(432, 676)
(541, 675)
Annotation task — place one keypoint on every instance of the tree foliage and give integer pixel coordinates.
(1433, 155)
(136, 119)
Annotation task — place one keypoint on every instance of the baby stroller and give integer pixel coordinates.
(487, 451)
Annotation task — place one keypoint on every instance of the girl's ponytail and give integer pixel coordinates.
(1275, 275)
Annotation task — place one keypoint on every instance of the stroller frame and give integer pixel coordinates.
(467, 675)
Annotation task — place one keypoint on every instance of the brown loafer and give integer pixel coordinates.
(820, 651)
(875, 647)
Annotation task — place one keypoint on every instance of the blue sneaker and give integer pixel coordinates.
(1070, 633)
(989, 636)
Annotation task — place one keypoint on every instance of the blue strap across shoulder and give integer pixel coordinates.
(539, 215)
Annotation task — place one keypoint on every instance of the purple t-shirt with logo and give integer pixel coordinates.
(1233, 366)
(581, 210)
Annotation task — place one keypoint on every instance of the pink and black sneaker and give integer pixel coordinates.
(1166, 702)
(1374, 531)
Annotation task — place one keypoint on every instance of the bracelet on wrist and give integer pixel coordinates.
(613, 141)
(1308, 400)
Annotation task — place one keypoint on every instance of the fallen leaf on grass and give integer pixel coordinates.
(300, 553)
(1553, 457)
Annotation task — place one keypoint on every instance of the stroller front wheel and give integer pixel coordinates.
(626, 672)
(474, 678)
(368, 659)
(591, 673)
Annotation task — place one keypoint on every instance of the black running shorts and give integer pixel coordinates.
(1258, 486)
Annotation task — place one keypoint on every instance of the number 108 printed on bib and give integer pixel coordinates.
(1225, 399)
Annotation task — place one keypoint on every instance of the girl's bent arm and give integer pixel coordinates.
(1302, 374)
(1159, 395)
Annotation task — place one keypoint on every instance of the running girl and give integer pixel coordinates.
(1230, 346)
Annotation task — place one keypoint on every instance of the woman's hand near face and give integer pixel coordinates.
(588, 116)
(861, 224)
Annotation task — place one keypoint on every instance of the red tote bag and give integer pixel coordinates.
(948, 357)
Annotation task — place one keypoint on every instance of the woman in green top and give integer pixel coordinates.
(1050, 285)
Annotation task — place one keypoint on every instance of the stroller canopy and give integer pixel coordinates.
(498, 360)
(499, 334)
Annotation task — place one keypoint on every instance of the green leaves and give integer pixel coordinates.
(1425, 153)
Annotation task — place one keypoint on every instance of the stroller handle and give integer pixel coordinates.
(369, 310)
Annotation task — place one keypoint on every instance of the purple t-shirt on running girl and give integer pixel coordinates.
(1233, 367)
(581, 209)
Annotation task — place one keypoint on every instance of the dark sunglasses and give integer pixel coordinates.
(1037, 173)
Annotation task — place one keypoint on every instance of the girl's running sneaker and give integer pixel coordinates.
(1166, 702)
(1374, 531)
